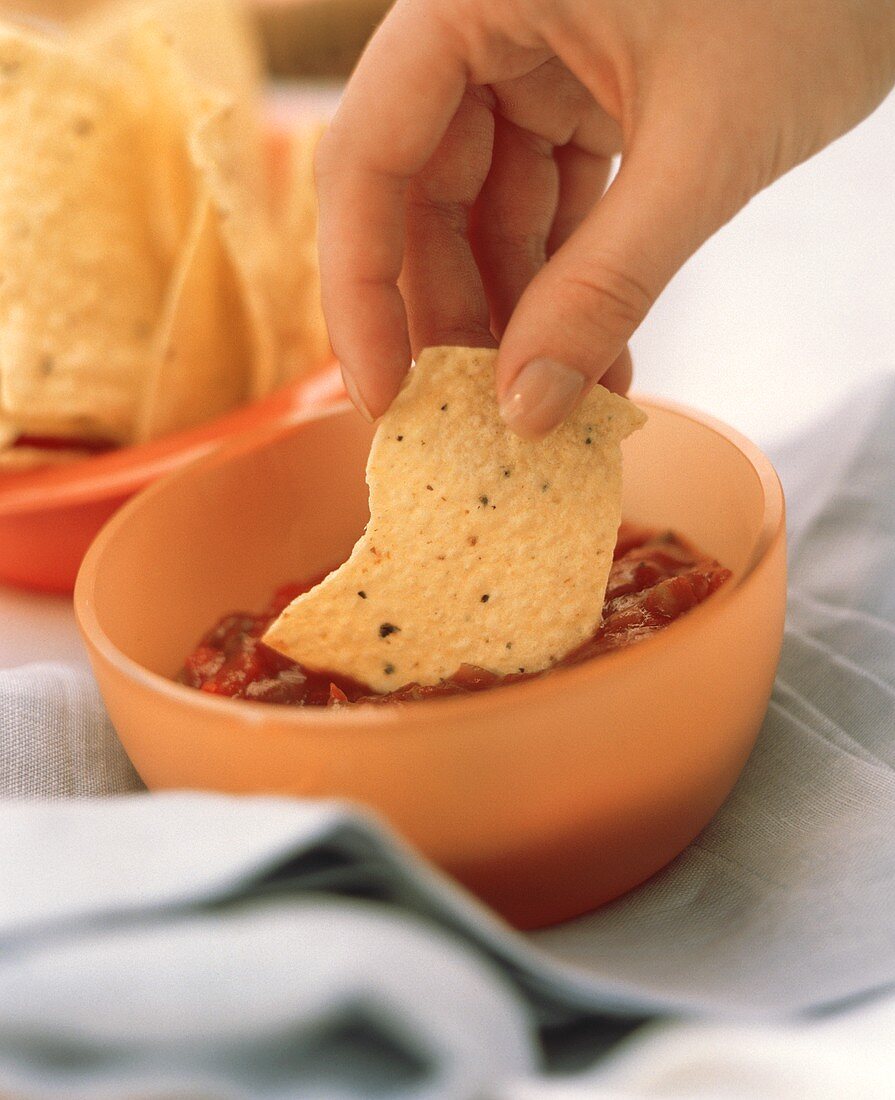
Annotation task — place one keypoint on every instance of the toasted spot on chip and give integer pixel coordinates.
(490, 571)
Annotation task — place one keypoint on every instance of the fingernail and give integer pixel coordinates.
(355, 395)
(542, 396)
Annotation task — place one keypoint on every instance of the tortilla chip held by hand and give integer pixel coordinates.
(481, 549)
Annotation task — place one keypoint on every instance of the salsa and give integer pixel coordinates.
(655, 578)
(58, 443)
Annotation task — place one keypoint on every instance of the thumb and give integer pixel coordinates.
(577, 314)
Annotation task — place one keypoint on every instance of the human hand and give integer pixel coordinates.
(460, 182)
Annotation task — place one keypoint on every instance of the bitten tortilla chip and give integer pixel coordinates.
(482, 548)
(80, 281)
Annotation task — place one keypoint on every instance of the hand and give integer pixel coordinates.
(460, 182)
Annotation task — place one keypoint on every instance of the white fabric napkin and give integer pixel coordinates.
(200, 945)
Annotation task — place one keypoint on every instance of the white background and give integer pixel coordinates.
(792, 302)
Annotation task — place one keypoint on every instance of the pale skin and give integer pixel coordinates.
(462, 184)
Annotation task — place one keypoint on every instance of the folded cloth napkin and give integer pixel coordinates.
(56, 740)
(185, 944)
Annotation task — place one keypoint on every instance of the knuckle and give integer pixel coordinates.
(451, 216)
(512, 243)
(530, 247)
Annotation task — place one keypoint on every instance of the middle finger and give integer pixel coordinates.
(440, 280)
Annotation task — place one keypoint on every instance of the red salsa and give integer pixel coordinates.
(655, 578)
(59, 443)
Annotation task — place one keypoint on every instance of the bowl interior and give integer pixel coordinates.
(224, 533)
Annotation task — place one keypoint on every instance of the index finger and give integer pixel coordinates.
(395, 111)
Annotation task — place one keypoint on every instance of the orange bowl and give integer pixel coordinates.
(546, 798)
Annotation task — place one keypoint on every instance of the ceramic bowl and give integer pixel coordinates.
(546, 798)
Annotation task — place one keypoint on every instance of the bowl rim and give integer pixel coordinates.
(123, 470)
(357, 718)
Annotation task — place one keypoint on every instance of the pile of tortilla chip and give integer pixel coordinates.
(149, 278)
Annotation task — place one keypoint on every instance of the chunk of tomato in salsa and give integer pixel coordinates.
(655, 578)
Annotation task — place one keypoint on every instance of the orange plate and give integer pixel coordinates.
(546, 798)
(50, 516)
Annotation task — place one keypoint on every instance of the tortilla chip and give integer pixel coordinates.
(18, 460)
(235, 183)
(203, 342)
(172, 184)
(9, 432)
(81, 283)
(190, 55)
(209, 172)
(482, 548)
(298, 314)
(39, 12)
(217, 41)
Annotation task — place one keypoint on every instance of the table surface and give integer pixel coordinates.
(767, 326)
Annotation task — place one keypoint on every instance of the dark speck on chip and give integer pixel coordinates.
(387, 628)
(388, 669)
(362, 594)
(444, 408)
(483, 501)
(485, 598)
(399, 438)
